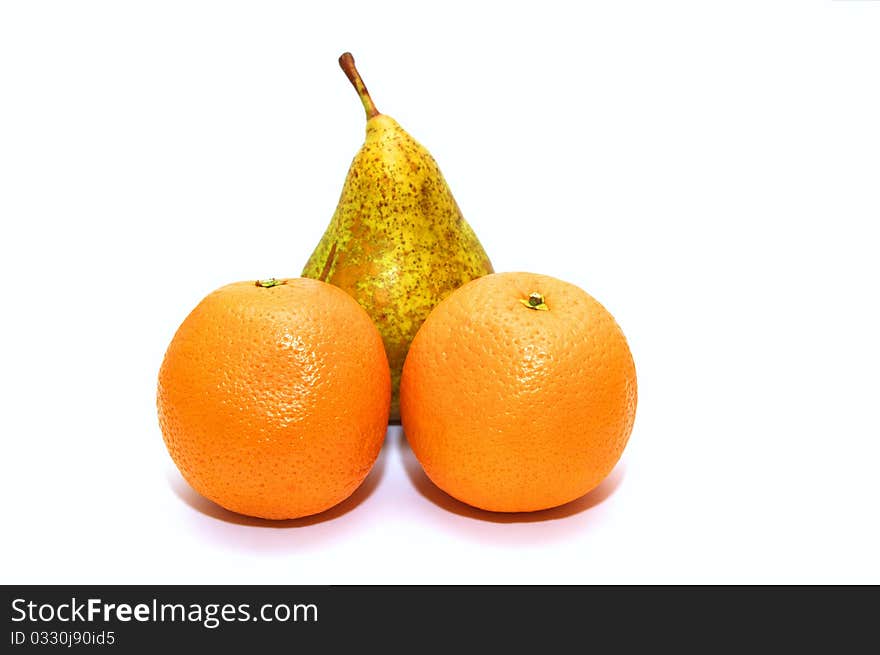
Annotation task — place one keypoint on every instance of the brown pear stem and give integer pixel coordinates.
(346, 62)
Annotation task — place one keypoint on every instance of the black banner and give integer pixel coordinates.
(147, 619)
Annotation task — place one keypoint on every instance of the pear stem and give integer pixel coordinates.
(346, 62)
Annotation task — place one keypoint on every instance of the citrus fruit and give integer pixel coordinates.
(274, 397)
(518, 393)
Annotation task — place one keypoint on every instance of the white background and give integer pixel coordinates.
(709, 171)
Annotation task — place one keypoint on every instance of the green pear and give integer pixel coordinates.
(397, 242)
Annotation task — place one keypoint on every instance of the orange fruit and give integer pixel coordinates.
(274, 397)
(518, 393)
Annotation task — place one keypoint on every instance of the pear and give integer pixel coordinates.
(397, 242)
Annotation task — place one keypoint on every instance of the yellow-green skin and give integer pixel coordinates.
(397, 242)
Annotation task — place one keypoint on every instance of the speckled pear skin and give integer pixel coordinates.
(398, 242)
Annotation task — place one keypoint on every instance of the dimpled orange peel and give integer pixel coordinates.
(519, 393)
(274, 396)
